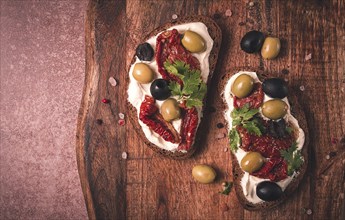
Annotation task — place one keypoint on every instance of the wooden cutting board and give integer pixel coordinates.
(148, 186)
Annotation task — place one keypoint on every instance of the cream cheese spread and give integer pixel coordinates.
(136, 91)
(249, 182)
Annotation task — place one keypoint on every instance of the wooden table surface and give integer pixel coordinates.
(148, 186)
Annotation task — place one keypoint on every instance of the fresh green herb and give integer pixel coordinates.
(293, 157)
(193, 90)
(246, 117)
(289, 129)
(235, 140)
(226, 188)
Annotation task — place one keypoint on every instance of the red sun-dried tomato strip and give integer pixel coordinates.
(188, 129)
(254, 100)
(266, 145)
(169, 47)
(269, 147)
(150, 116)
(275, 169)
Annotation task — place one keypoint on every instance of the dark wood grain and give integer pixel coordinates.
(148, 186)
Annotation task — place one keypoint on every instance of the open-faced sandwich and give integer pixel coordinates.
(268, 138)
(168, 80)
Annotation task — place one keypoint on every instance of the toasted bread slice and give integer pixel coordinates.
(215, 33)
(238, 173)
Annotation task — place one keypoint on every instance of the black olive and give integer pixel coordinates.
(144, 52)
(277, 129)
(275, 88)
(252, 41)
(268, 191)
(160, 89)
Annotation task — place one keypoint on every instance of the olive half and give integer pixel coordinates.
(274, 109)
(144, 52)
(204, 173)
(170, 109)
(268, 191)
(242, 86)
(142, 73)
(252, 41)
(160, 89)
(271, 47)
(193, 42)
(252, 162)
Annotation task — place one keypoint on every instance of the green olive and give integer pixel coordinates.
(242, 86)
(204, 173)
(142, 73)
(170, 109)
(271, 47)
(274, 109)
(193, 42)
(252, 162)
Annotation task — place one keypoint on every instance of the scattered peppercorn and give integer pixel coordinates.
(220, 125)
(99, 121)
(285, 71)
(333, 154)
(217, 16)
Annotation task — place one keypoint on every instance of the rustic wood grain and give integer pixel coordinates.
(148, 186)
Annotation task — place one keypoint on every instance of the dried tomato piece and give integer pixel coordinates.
(275, 169)
(188, 129)
(254, 100)
(150, 116)
(266, 145)
(169, 47)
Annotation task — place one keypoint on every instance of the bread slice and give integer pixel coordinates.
(238, 173)
(215, 33)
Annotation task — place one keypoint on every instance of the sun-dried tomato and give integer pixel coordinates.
(169, 47)
(275, 169)
(254, 100)
(150, 116)
(188, 129)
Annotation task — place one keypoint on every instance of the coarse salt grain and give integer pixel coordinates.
(124, 155)
(328, 157)
(228, 13)
(309, 212)
(121, 122)
(302, 88)
(220, 135)
(251, 4)
(174, 16)
(225, 149)
(112, 81)
(308, 57)
(121, 116)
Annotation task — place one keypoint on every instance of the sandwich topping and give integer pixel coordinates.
(168, 84)
(265, 138)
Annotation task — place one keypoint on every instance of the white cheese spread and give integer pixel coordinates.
(136, 91)
(248, 181)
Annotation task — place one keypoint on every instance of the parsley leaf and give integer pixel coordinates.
(244, 113)
(293, 157)
(252, 127)
(235, 140)
(246, 117)
(289, 129)
(227, 188)
(193, 90)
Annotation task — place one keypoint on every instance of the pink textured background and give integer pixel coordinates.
(42, 74)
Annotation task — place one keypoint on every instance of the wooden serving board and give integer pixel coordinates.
(148, 186)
